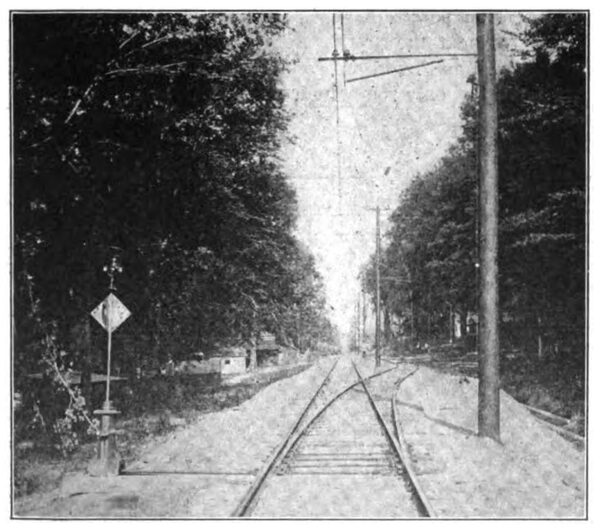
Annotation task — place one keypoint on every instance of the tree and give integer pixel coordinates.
(152, 139)
(542, 171)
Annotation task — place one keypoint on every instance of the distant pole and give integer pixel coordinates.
(358, 314)
(299, 343)
(377, 291)
(412, 320)
(364, 315)
(357, 322)
(489, 385)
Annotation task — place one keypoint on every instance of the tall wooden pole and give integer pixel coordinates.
(357, 324)
(412, 320)
(489, 359)
(364, 316)
(359, 319)
(377, 291)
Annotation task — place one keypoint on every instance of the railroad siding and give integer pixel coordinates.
(535, 473)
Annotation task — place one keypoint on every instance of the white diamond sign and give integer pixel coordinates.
(111, 311)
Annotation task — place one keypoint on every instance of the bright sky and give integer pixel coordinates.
(405, 121)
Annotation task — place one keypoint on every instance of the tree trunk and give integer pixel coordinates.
(387, 326)
(463, 324)
(86, 363)
(253, 344)
(156, 334)
(540, 340)
(428, 328)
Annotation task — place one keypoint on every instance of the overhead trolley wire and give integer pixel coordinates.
(350, 57)
(343, 50)
(337, 112)
(344, 56)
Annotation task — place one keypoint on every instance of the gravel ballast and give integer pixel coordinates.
(237, 441)
(533, 473)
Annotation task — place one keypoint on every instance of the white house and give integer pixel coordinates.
(230, 360)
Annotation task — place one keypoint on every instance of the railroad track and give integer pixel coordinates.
(340, 459)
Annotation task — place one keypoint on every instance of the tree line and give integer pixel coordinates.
(148, 143)
(430, 264)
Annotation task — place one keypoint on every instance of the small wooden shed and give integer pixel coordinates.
(230, 360)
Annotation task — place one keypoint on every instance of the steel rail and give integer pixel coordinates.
(290, 441)
(252, 492)
(567, 434)
(186, 473)
(547, 414)
(406, 461)
(336, 397)
(424, 506)
(545, 417)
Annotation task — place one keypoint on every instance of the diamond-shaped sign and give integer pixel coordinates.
(111, 313)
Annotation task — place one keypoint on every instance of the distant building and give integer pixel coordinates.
(229, 360)
(267, 350)
(472, 322)
(197, 366)
(457, 325)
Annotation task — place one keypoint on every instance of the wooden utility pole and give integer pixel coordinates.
(364, 315)
(357, 322)
(489, 385)
(377, 291)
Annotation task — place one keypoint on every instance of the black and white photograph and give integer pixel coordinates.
(299, 264)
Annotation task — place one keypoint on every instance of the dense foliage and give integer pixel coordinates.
(147, 143)
(430, 263)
